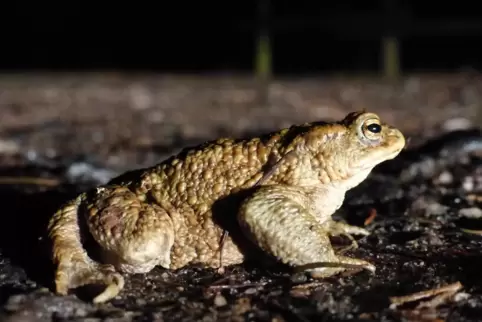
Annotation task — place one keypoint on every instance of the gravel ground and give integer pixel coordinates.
(61, 134)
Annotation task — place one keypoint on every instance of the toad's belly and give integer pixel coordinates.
(198, 252)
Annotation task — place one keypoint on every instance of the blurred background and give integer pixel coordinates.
(127, 85)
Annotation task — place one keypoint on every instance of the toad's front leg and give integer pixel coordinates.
(336, 228)
(284, 228)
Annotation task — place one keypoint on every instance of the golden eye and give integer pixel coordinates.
(372, 129)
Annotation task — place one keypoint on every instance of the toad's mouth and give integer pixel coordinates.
(371, 160)
(393, 155)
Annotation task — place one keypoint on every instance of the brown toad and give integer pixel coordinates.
(276, 192)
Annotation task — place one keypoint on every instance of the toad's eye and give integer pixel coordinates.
(374, 128)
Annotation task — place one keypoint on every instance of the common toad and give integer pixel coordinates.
(279, 193)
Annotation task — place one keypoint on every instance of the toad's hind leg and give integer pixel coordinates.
(74, 267)
(133, 237)
(282, 227)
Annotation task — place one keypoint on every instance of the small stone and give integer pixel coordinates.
(140, 97)
(14, 302)
(250, 290)
(468, 184)
(461, 296)
(472, 212)
(459, 123)
(428, 207)
(300, 292)
(8, 146)
(220, 300)
(81, 311)
(445, 178)
(221, 270)
(299, 278)
(278, 318)
(141, 302)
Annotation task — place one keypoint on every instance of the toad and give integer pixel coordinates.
(277, 192)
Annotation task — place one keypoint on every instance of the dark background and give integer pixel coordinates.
(207, 36)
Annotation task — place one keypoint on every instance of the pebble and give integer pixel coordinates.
(472, 212)
(458, 123)
(220, 300)
(79, 171)
(445, 178)
(468, 184)
(15, 302)
(141, 302)
(461, 296)
(250, 290)
(8, 146)
(300, 292)
(428, 207)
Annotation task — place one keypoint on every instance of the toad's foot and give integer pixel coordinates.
(335, 228)
(71, 275)
(281, 226)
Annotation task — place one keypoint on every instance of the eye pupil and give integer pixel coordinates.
(374, 128)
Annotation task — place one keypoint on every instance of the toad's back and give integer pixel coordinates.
(197, 177)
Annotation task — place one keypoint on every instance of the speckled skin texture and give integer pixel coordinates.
(277, 193)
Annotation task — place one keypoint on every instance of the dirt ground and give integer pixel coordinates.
(64, 133)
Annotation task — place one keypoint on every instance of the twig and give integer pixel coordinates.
(449, 289)
(219, 281)
(371, 217)
(30, 180)
(472, 231)
(302, 268)
(221, 248)
(308, 285)
(436, 301)
(230, 286)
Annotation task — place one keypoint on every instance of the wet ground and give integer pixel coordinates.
(61, 136)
